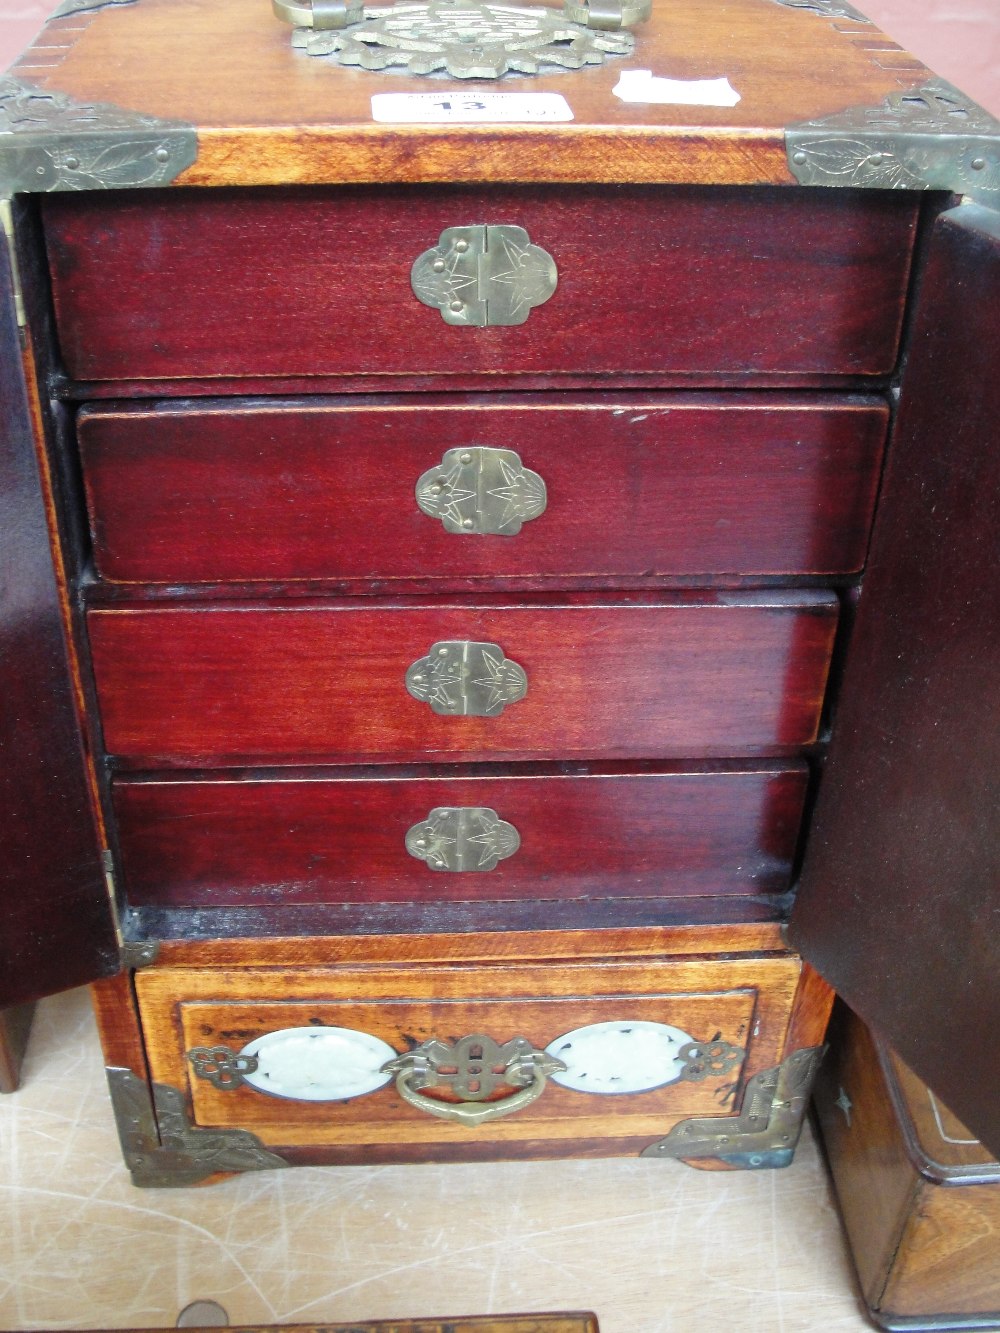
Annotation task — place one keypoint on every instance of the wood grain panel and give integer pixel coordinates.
(639, 486)
(323, 838)
(633, 678)
(504, 945)
(270, 113)
(57, 927)
(154, 284)
(903, 867)
(531, 1323)
(745, 1001)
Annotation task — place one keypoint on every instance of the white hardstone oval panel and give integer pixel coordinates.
(318, 1064)
(619, 1057)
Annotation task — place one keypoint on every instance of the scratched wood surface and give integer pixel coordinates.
(266, 113)
(639, 487)
(324, 837)
(694, 281)
(631, 677)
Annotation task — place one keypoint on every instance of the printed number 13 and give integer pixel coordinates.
(461, 106)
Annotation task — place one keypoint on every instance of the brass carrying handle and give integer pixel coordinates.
(326, 14)
(473, 1068)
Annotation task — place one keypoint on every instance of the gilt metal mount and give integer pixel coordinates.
(468, 39)
(162, 1148)
(765, 1132)
(930, 138)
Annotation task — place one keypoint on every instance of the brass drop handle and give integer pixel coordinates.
(479, 490)
(462, 678)
(473, 1069)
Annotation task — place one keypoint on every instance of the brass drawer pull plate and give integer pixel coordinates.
(462, 839)
(484, 276)
(473, 1069)
(481, 490)
(461, 678)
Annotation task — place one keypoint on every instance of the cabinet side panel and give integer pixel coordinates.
(55, 924)
(901, 890)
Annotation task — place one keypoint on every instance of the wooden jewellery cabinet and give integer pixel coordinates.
(437, 552)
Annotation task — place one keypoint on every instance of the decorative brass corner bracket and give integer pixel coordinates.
(765, 1132)
(930, 138)
(828, 9)
(50, 142)
(69, 7)
(162, 1148)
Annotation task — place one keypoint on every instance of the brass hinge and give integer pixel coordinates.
(138, 953)
(484, 276)
(162, 1148)
(765, 1132)
(7, 223)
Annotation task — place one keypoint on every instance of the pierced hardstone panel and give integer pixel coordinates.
(626, 1056)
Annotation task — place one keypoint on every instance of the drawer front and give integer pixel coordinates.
(631, 679)
(635, 487)
(404, 838)
(321, 1037)
(317, 282)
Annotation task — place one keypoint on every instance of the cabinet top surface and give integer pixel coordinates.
(258, 109)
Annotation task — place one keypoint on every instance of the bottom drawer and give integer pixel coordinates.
(444, 1059)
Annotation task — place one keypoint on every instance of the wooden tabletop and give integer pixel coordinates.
(267, 113)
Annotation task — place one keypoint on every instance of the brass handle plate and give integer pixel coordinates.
(481, 490)
(462, 839)
(473, 1069)
(484, 276)
(461, 678)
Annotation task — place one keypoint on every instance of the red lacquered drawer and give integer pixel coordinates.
(635, 486)
(324, 838)
(300, 282)
(700, 675)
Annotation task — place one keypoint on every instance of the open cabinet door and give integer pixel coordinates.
(56, 926)
(899, 906)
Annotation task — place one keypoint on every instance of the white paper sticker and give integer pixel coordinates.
(467, 108)
(639, 85)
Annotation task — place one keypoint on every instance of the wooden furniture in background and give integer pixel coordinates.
(918, 1193)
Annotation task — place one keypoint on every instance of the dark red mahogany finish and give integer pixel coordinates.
(631, 677)
(57, 921)
(323, 838)
(154, 285)
(639, 486)
(903, 869)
